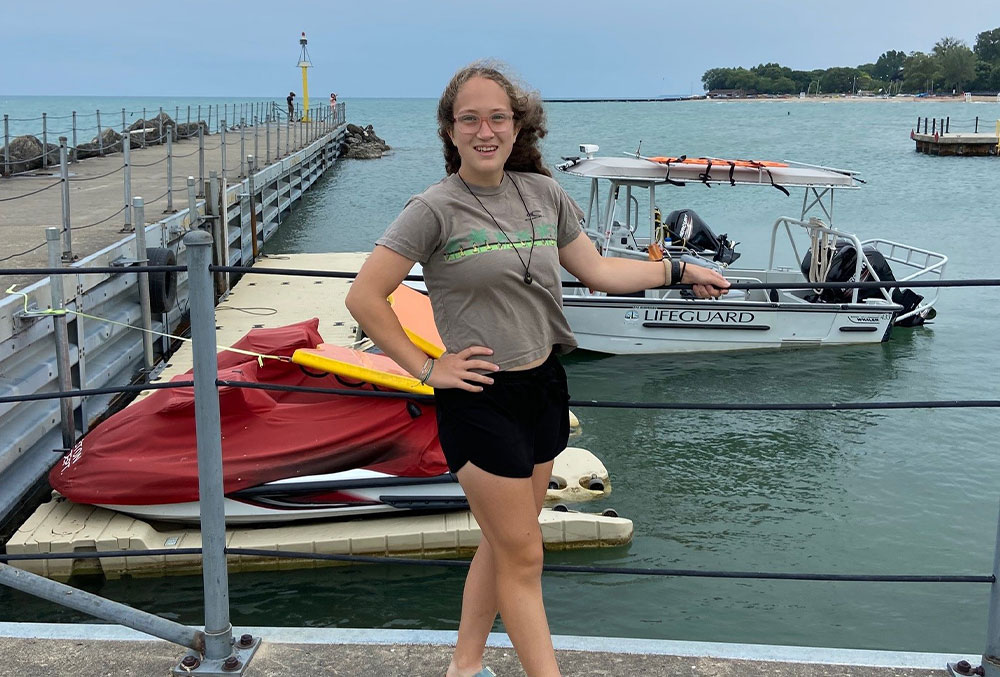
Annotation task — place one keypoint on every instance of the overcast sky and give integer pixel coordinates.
(388, 48)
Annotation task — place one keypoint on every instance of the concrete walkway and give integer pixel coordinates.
(43, 650)
(97, 192)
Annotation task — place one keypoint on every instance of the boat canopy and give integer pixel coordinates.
(147, 453)
(721, 171)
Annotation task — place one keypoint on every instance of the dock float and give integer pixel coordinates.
(938, 139)
(61, 526)
(957, 144)
(259, 301)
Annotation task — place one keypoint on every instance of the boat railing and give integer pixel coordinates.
(921, 263)
(813, 227)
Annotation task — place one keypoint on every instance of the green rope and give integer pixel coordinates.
(65, 311)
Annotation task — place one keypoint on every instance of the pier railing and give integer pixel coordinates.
(215, 651)
(234, 141)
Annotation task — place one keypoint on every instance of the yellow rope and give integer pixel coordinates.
(64, 311)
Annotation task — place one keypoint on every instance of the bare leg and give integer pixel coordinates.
(480, 601)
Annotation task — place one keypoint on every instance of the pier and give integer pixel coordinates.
(934, 136)
(238, 185)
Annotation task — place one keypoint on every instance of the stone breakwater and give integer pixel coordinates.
(27, 153)
(363, 143)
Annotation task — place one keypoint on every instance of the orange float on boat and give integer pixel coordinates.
(711, 160)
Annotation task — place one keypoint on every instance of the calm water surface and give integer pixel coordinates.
(876, 492)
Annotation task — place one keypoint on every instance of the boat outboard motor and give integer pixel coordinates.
(687, 229)
(842, 267)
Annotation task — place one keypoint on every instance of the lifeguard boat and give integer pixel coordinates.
(623, 220)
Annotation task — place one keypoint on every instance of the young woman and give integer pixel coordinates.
(491, 237)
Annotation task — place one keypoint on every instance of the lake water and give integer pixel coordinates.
(875, 492)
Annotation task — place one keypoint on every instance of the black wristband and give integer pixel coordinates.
(675, 271)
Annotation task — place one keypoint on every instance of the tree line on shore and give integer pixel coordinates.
(951, 65)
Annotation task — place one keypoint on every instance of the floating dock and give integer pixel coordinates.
(957, 144)
(60, 526)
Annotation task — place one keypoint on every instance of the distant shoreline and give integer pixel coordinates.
(843, 98)
(824, 98)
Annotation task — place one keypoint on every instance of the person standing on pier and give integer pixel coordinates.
(291, 105)
(491, 237)
(333, 102)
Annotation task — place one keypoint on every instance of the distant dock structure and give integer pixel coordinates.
(933, 136)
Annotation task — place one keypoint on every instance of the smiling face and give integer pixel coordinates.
(483, 151)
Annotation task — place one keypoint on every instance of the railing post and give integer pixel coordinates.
(288, 134)
(991, 657)
(243, 148)
(222, 144)
(217, 213)
(209, 119)
(100, 139)
(277, 146)
(6, 145)
(45, 142)
(256, 135)
(123, 122)
(201, 155)
(977, 124)
(143, 259)
(127, 180)
(61, 335)
(75, 158)
(170, 171)
(67, 253)
(192, 204)
(218, 630)
(144, 123)
(253, 208)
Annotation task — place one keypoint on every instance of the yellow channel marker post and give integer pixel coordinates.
(304, 63)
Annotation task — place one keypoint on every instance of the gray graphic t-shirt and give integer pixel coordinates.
(472, 270)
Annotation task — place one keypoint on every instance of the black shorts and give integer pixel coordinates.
(511, 426)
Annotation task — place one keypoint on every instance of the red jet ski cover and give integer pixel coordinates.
(146, 454)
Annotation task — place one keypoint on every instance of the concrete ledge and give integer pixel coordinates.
(31, 649)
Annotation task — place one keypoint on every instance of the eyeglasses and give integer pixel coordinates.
(498, 122)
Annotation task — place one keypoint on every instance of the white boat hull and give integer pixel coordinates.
(631, 326)
(577, 475)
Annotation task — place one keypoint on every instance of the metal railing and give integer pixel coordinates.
(215, 651)
(323, 121)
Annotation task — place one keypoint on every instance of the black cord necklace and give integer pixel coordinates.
(531, 220)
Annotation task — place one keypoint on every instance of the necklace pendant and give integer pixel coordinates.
(527, 277)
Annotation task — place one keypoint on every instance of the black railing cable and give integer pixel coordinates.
(890, 284)
(551, 568)
(597, 404)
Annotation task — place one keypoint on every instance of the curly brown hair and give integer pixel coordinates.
(529, 116)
